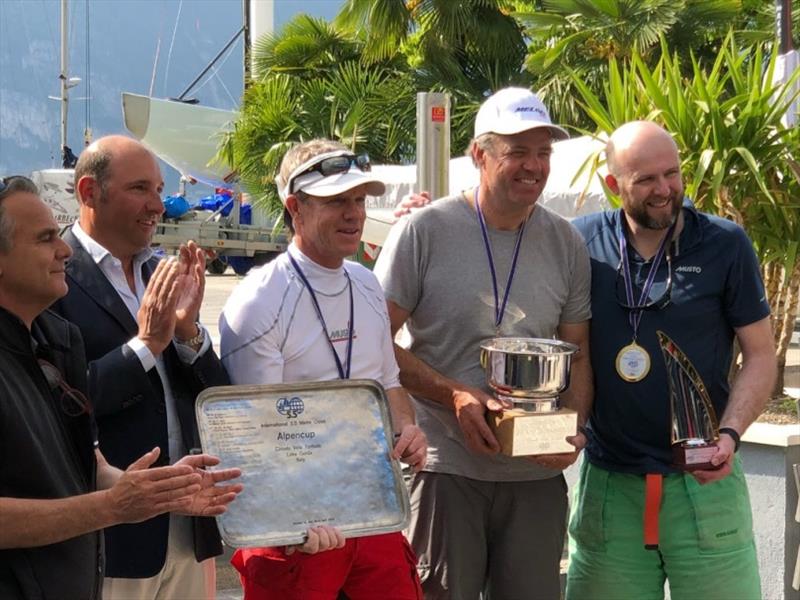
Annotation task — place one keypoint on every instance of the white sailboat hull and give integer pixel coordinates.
(185, 136)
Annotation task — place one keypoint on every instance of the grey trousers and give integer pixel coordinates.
(491, 540)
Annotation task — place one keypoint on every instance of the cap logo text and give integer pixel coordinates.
(535, 109)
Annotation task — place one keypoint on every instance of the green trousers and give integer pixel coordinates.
(706, 548)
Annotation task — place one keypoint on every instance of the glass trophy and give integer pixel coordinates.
(695, 429)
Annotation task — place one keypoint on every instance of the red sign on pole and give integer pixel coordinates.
(437, 114)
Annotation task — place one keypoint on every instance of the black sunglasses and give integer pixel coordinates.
(660, 293)
(332, 166)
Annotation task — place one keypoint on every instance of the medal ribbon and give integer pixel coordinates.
(344, 371)
(499, 309)
(635, 315)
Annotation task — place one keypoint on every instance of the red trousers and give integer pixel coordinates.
(368, 568)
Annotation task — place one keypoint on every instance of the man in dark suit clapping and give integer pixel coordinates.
(149, 358)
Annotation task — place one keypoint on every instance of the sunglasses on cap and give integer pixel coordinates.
(331, 165)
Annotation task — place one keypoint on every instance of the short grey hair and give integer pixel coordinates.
(485, 141)
(13, 185)
(296, 156)
(300, 153)
(95, 164)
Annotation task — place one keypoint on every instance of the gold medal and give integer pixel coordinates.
(633, 362)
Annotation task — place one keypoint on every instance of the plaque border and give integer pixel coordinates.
(237, 392)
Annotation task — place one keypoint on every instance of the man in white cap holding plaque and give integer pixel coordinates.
(488, 263)
(311, 315)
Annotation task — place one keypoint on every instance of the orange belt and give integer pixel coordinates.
(652, 504)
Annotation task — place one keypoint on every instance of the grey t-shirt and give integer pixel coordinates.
(434, 265)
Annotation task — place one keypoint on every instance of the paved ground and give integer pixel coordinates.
(218, 288)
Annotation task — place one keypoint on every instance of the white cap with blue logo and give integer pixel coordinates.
(514, 110)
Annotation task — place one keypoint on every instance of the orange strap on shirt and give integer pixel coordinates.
(652, 504)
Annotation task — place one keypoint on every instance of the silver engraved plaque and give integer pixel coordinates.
(310, 454)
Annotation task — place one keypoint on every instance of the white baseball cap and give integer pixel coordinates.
(514, 110)
(311, 178)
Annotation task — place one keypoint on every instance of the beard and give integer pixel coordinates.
(642, 218)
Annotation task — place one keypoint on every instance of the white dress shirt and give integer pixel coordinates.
(111, 267)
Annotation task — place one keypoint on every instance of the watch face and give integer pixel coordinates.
(197, 340)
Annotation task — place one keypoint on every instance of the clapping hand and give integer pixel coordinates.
(192, 277)
(211, 499)
(156, 315)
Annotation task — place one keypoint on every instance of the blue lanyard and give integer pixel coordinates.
(635, 314)
(344, 371)
(499, 309)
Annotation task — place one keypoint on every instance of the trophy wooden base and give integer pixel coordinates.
(522, 433)
(694, 457)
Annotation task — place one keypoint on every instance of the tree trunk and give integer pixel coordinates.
(790, 296)
(778, 305)
(772, 284)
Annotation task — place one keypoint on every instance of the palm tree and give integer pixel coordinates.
(355, 80)
(308, 81)
(583, 35)
(475, 46)
(466, 48)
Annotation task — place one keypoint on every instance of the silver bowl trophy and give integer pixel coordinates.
(531, 373)
(695, 429)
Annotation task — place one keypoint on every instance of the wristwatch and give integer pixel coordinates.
(194, 342)
(734, 436)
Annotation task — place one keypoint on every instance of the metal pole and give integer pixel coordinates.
(247, 42)
(64, 77)
(783, 25)
(261, 21)
(211, 64)
(433, 143)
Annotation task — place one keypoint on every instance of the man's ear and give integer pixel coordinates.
(478, 155)
(88, 191)
(612, 183)
(292, 205)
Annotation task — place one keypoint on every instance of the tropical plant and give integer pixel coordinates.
(738, 159)
(471, 45)
(308, 82)
(355, 80)
(466, 48)
(583, 35)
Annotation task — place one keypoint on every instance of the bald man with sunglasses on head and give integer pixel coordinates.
(311, 315)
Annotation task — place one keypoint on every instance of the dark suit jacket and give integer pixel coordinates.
(130, 408)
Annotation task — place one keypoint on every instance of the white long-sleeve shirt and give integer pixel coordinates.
(270, 332)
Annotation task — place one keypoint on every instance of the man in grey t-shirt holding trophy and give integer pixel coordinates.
(488, 263)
